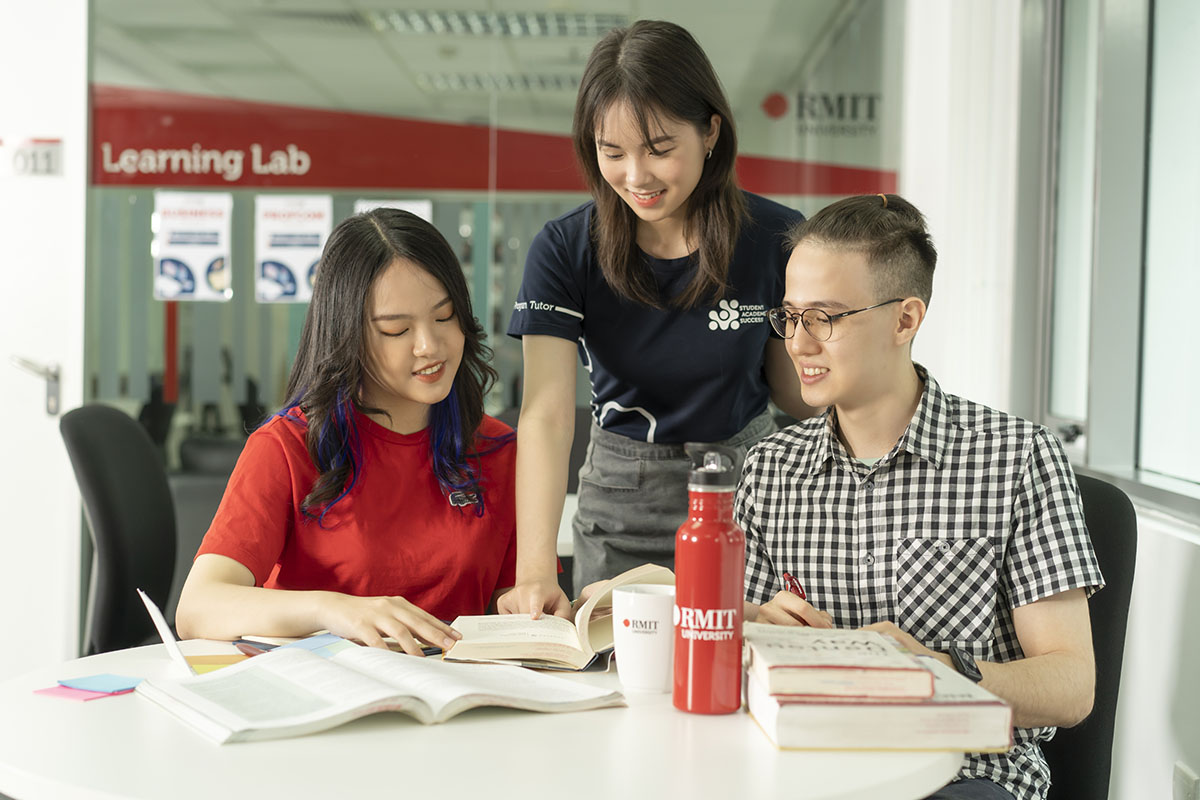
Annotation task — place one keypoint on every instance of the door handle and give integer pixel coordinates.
(51, 373)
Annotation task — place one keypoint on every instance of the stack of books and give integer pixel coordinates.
(821, 689)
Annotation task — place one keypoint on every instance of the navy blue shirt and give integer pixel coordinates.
(661, 375)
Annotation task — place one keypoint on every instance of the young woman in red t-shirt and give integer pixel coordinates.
(379, 500)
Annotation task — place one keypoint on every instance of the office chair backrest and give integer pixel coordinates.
(209, 455)
(1081, 757)
(131, 518)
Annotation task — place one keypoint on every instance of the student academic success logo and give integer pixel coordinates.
(729, 315)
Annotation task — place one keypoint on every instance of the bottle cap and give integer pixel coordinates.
(714, 466)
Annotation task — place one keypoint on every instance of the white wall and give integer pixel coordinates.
(43, 94)
(958, 163)
(1158, 714)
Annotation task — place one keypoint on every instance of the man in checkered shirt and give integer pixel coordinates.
(907, 510)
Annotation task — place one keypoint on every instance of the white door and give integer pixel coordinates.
(43, 198)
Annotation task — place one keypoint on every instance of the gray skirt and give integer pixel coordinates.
(633, 498)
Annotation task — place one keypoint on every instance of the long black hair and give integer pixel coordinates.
(328, 372)
(660, 70)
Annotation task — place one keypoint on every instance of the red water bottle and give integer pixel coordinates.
(710, 567)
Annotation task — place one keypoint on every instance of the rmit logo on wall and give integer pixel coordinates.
(829, 113)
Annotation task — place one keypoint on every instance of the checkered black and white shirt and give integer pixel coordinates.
(973, 513)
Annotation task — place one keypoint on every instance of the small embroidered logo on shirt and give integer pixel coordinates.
(461, 498)
(725, 316)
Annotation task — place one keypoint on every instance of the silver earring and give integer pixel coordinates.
(707, 157)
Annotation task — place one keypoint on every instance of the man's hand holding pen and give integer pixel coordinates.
(791, 607)
(786, 608)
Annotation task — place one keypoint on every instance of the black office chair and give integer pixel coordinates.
(209, 455)
(1081, 757)
(156, 415)
(132, 521)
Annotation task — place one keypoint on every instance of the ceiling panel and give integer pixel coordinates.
(251, 6)
(357, 72)
(325, 53)
(278, 86)
(422, 5)
(557, 53)
(474, 50)
(117, 57)
(775, 63)
(200, 48)
(160, 13)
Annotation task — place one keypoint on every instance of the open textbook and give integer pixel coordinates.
(293, 691)
(550, 642)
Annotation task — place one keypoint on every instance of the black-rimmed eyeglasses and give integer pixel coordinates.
(818, 323)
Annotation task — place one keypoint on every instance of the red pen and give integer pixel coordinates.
(794, 586)
(250, 649)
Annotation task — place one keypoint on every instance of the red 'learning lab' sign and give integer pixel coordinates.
(152, 138)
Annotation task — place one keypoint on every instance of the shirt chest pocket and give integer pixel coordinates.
(946, 590)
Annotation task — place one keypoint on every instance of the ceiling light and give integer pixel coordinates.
(496, 82)
(512, 24)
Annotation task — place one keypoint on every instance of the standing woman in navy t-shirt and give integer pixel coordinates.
(661, 285)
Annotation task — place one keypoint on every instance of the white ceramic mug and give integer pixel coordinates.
(644, 637)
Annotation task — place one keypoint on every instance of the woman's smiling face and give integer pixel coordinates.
(414, 345)
(654, 178)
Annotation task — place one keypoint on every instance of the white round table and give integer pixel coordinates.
(127, 747)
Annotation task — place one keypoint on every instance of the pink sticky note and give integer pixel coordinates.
(68, 693)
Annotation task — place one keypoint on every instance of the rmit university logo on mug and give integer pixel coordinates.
(641, 625)
(705, 624)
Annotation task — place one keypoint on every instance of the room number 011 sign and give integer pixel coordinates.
(31, 157)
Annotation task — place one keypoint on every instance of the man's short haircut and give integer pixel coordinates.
(889, 230)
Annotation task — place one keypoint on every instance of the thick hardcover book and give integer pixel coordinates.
(960, 716)
(833, 662)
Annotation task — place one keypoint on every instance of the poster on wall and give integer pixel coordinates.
(422, 208)
(190, 246)
(289, 233)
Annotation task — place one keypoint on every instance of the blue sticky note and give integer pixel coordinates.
(106, 683)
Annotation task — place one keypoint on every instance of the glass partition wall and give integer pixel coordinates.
(234, 357)
(469, 109)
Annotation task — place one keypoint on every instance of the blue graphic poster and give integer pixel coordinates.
(190, 246)
(289, 234)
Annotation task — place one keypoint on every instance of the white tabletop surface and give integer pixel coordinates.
(127, 747)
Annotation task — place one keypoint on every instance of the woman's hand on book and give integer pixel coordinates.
(370, 619)
(585, 593)
(787, 608)
(535, 598)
